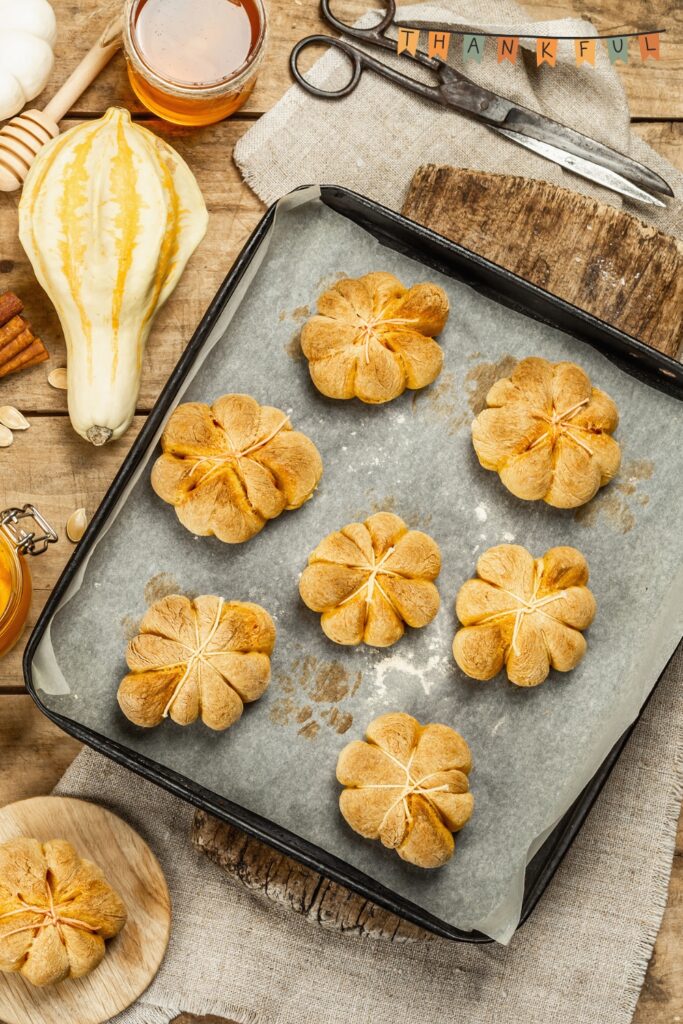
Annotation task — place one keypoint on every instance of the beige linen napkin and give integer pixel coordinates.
(374, 140)
(580, 958)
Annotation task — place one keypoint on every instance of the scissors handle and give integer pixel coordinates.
(374, 34)
(360, 62)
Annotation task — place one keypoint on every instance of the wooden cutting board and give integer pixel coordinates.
(134, 955)
(589, 254)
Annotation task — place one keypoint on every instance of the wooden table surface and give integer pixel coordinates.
(52, 467)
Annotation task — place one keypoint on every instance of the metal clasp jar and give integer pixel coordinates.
(23, 531)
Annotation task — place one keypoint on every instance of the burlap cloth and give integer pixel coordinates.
(582, 956)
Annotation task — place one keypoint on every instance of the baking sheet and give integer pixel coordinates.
(534, 750)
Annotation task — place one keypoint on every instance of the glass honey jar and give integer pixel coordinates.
(193, 62)
(18, 539)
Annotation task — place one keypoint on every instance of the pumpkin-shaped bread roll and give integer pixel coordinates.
(523, 614)
(373, 338)
(56, 911)
(407, 786)
(369, 580)
(230, 467)
(547, 432)
(206, 657)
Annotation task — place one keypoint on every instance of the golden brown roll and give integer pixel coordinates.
(407, 786)
(373, 338)
(547, 433)
(230, 467)
(206, 657)
(369, 580)
(523, 614)
(56, 911)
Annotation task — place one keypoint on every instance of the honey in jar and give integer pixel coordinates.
(194, 62)
(16, 540)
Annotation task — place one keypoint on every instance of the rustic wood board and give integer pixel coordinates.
(286, 881)
(191, 1018)
(133, 957)
(605, 261)
(653, 90)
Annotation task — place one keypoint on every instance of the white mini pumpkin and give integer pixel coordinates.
(29, 29)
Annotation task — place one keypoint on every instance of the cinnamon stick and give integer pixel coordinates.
(12, 330)
(44, 355)
(30, 356)
(10, 305)
(12, 350)
(19, 348)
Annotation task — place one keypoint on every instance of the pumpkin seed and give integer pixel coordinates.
(6, 436)
(57, 378)
(76, 524)
(12, 418)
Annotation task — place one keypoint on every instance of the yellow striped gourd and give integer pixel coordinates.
(109, 216)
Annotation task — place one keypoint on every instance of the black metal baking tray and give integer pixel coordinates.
(398, 233)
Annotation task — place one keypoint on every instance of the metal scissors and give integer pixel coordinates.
(550, 139)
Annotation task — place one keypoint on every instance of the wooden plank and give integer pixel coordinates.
(234, 212)
(661, 998)
(653, 88)
(664, 136)
(34, 753)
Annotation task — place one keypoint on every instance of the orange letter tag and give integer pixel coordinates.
(546, 52)
(585, 51)
(408, 38)
(649, 46)
(437, 44)
(507, 48)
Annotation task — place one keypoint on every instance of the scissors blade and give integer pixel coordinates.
(585, 168)
(543, 129)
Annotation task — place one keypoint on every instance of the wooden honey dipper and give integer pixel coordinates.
(24, 136)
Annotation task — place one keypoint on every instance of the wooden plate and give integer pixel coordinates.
(133, 957)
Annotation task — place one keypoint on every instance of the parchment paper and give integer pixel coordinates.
(533, 750)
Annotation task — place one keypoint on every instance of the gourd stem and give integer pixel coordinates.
(98, 435)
